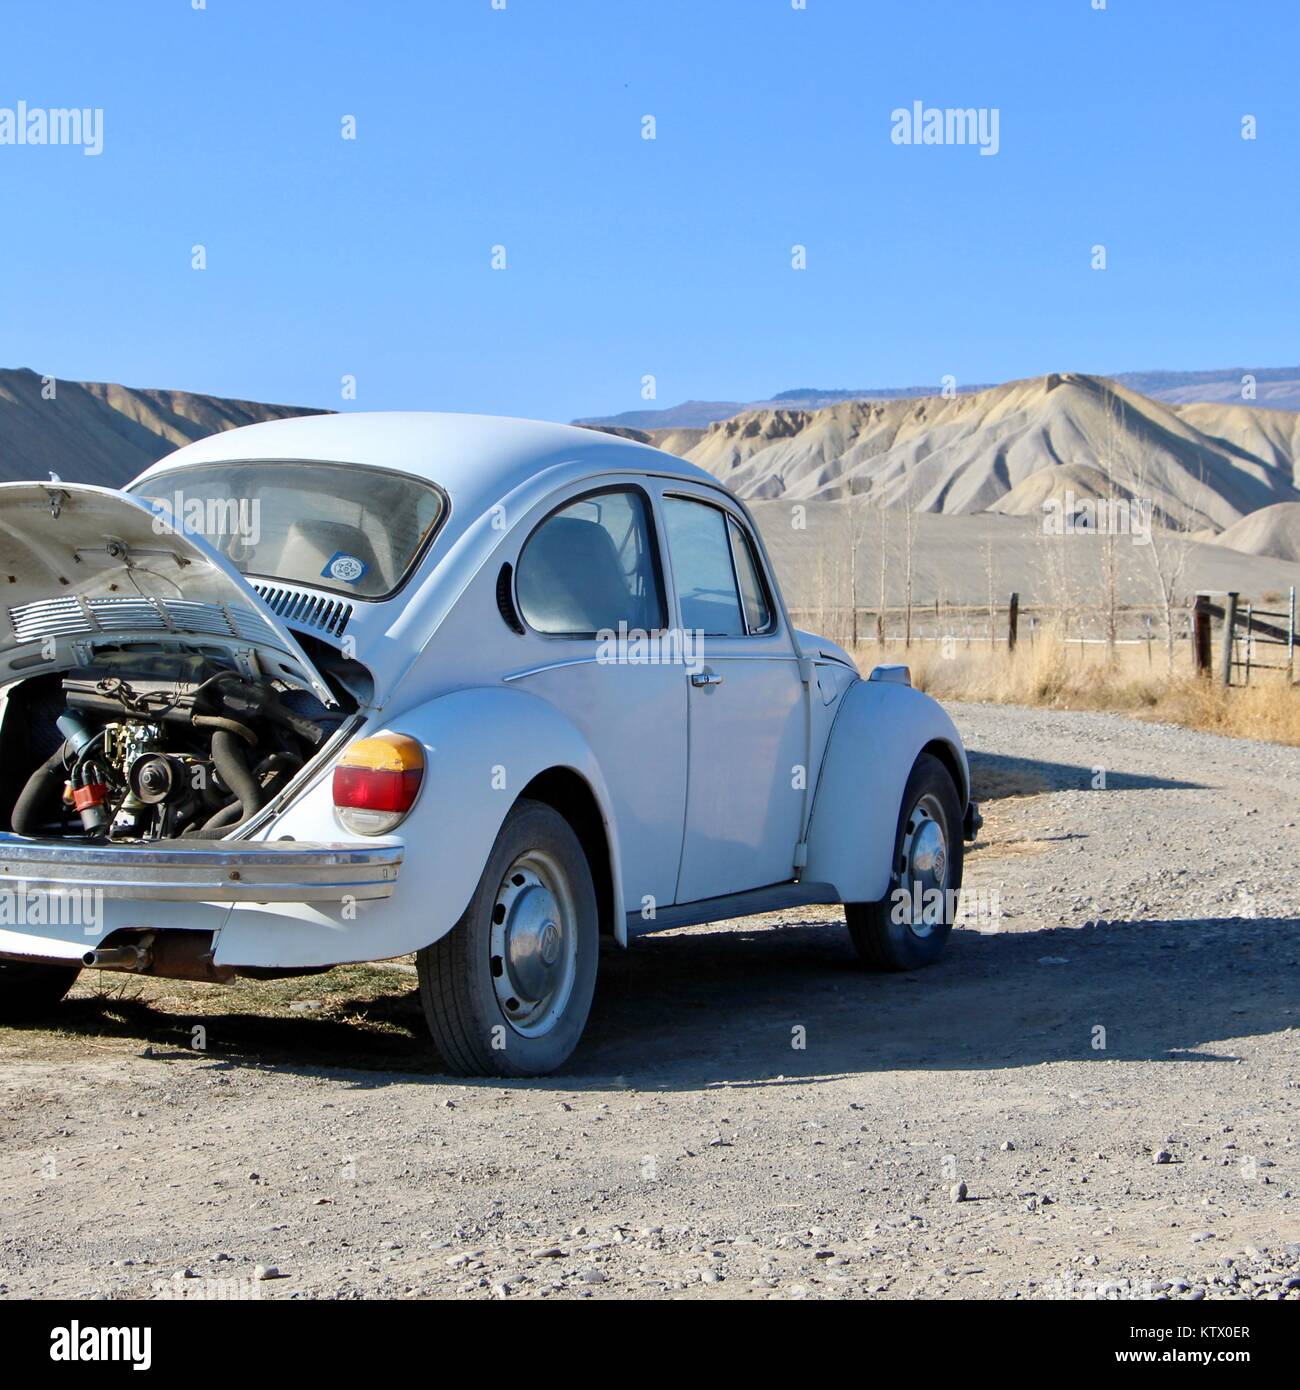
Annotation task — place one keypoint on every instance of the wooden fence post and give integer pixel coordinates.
(1013, 621)
(1229, 623)
(1201, 635)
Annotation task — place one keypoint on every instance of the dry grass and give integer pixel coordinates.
(1062, 675)
(360, 1016)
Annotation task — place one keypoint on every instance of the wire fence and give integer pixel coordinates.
(1249, 639)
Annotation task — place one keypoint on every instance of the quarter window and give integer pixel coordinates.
(590, 567)
(753, 594)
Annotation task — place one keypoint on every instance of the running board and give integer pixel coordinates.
(777, 897)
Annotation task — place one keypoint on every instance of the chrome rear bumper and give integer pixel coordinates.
(280, 871)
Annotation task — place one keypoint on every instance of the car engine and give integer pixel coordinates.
(163, 749)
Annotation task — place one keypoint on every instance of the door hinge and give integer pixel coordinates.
(801, 855)
(807, 670)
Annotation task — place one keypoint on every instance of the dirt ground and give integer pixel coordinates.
(1093, 1095)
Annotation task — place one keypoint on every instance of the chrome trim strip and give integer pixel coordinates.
(783, 656)
(787, 655)
(552, 666)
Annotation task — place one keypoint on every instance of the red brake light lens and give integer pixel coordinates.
(376, 783)
(377, 789)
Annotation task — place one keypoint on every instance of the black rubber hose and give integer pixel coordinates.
(229, 726)
(228, 758)
(276, 763)
(39, 799)
(221, 824)
(281, 766)
(279, 779)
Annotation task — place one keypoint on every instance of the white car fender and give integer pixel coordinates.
(482, 748)
(880, 730)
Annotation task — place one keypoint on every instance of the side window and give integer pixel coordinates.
(702, 568)
(591, 566)
(753, 592)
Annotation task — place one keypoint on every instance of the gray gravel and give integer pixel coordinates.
(1108, 1079)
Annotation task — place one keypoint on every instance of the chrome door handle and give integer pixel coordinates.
(705, 678)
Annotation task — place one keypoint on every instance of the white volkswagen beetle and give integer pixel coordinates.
(346, 687)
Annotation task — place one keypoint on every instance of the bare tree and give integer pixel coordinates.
(1169, 551)
(884, 573)
(1112, 459)
(858, 516)
(909, 554)
(1058, 576)
(988, 574)
(1168, 548)
(827, 595)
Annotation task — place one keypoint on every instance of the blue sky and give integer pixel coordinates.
(522, 127)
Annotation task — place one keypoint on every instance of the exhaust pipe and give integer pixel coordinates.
(171, 955)
(118, 958)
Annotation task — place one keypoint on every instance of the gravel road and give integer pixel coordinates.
(1094, 1094)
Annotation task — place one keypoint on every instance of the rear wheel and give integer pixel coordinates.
(507, 991)
(28, 989)
(910, 927)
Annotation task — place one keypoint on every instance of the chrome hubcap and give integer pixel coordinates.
(924, 864)
(533, 944)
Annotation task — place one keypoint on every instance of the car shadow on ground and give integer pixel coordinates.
(792, 1003)
(996, 775)
(764, 1004)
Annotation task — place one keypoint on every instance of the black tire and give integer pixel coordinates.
(530, 937)
(891, 934)
(30, 990)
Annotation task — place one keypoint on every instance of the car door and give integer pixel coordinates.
(746, 721)
(589, 587)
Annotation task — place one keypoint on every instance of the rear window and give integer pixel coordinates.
(351, 529)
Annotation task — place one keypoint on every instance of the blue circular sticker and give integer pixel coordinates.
(347, 569)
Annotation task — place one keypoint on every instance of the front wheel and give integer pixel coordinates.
(507, 991)
(910, 927)
(29, 990)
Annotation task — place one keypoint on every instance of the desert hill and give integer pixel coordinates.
(92, 432)
(1277, 388)
(980, 464)
(1007, 449)
(1272, 531)
(1272, 436)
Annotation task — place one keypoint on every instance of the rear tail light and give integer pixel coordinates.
(376, 783)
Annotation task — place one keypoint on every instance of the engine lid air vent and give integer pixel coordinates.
(306, 609)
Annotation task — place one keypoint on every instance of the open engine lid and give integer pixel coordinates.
(84, 566)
